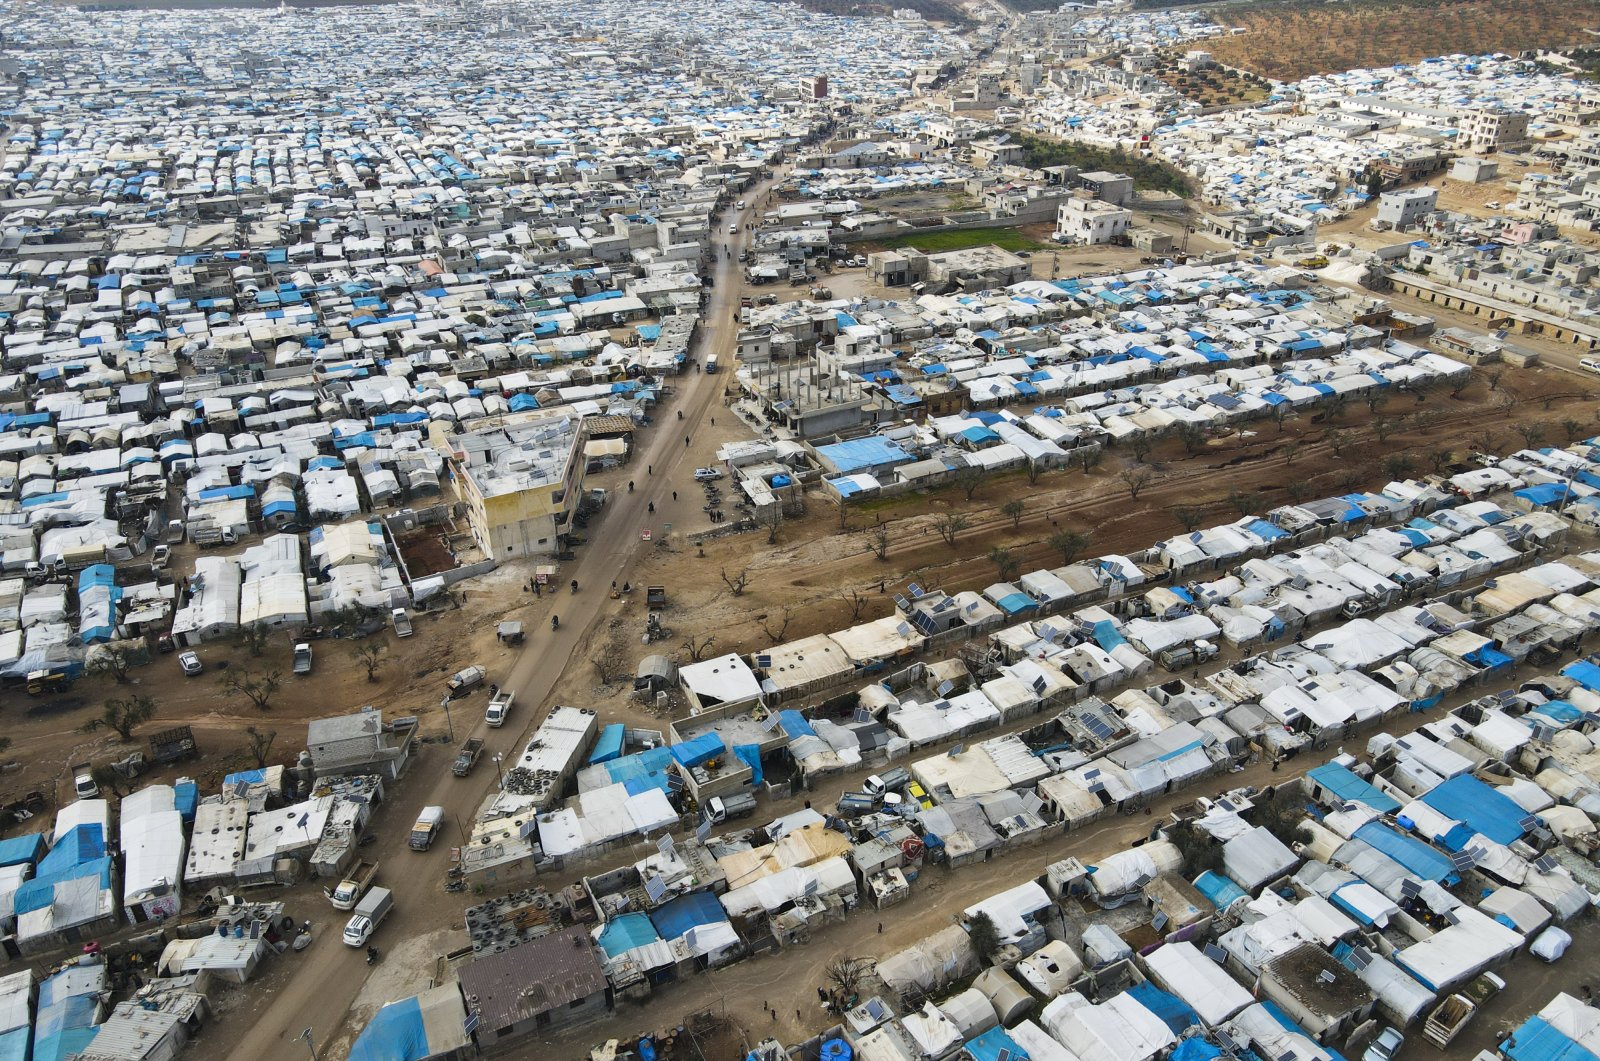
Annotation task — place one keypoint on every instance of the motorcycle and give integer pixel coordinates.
(372, 955)
(455, 886)
(574, 585)
(555, 622)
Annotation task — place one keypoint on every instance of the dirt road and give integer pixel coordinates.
(320, 995)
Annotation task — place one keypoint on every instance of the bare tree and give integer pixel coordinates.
(1014, 509)
(1189, 516)
(737, 583)
(1440, 459)
(1383, 427)
(772, 519)
(1486, 440)
(698, 647)
(1297, 489)
(610, 662)
(1089, 456)
(1337, 406)
(257, 688)
(1069, 543)
(123, 714)
(1135, 479)
(777, 630)
(1532, 434)
(855, 602)
(1336, 440)
(1244, 503)
(1139, 445)
(1005, 564)
(1036, 470)
(1460, 385)
(1280, 413)
(844, 513)
(950, 525)
(1572, 428)
(370, 656)
(1350, 479)
(254, 636)
(114, 662)
(1290, 452)
(1507, 402)
(967, 479)
(846, 974)
(879, 537)
(260, 744)
(1376, 399)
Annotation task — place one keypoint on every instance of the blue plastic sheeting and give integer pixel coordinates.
(1106, 635)
(794, 724)
(1342, 784)
(641, 771)
(62, 1045)
(40, 892)
(1222, 891)
(249, 776)
(14, 1044)
(1265, 531)
(987, 1046)
(1544, 495)
(1537, 1040)
(1016, 603)
(750, 755)
(627, 932)
(16, 850)
(1489, 658)
(609, 746)
(862, 454)
(396, 1033)
(84, 843)
(1484, 809)
(1584, 673)
(673, 919)
(185, 798)
(1416, 856)
(1287, 1024)
(1195, 1049)
(1172, 1010)
(1559, 712)
(698, 750)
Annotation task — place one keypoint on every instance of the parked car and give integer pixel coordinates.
(920, 794)
(160, 556)
(190, 662)
(1385, 1046)
(1590, 364)
(706, 475)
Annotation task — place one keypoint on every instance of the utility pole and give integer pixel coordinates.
(306, 1035)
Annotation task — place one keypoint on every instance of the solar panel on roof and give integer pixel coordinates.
(1527, 822)
(1545, 864)
(901, 603)
(876, 1009)
(1097, 725)
(763, 661)
(903, 630)
(1462, 860)
(946, 687)
(915, 590)
(1216, 954)
(1360, 957)
(1410, 889)
(1039, 685)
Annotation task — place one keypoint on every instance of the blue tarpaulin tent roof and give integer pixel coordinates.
(676, 917)
(794, 724)
(626, 932)
(1473, 803)
(1222, 891)
(1416, 856)
(431, 1024)
(609, 746)
(1172, 1010)
(987, 1047)
(1343, 784)
(861, 454)
(1195, 1049)
(16, 850)
(1584, 673)
(698, 750)
(750, 755)
(1538, 1040)
(641, 771)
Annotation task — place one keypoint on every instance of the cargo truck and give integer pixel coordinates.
(427, 828)
(467, 757)
(499, 707)
(719, 809)
(464, 681)
(370, 912)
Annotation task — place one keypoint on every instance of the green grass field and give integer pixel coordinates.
(1010, 239)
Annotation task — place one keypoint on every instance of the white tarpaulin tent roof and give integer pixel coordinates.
(1181, 969)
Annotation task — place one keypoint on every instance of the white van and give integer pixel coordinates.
(1590, 364)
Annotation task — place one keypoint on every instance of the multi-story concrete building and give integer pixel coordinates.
(1494, 129)
(520, 484)
(1401, 210)
(1090, 221)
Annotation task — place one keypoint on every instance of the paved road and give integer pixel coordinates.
(330, 974)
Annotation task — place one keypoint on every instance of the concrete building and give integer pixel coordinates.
(1403, 209)
(521, 484)
(358, 744)
(1114, 188)
(1494, 129)
(1086, 222)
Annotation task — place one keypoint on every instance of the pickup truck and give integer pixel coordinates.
(83, 782)
(467, 757)
(1451, 1015)
(354, 885)
(302, 658)
(719, 809)
(427, 828)
(499, 707)
(464, 681)
(655, 597)
(370, 912)
(888, 781)
(401, 622)
(856, 805)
